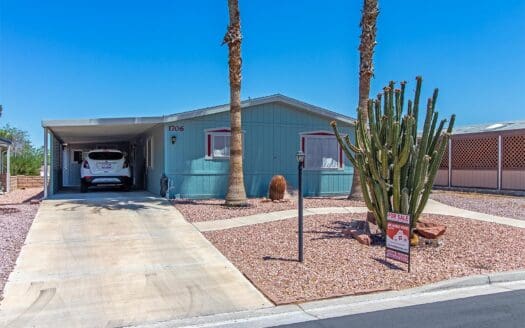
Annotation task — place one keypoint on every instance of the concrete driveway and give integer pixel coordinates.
(112, 260)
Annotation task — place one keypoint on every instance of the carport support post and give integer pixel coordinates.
(300, 161)
(45, 162)
(449, 162)
(8, 173)
(499, 161)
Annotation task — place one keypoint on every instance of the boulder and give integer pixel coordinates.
(358, 235)
(430, 230)
(414, 240)
(277, 188)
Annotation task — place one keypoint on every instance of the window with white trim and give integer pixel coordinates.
(149, 152)
(217, 144)
(322, 151)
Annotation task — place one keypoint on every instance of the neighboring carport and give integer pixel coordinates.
(5, 165)
(67, 141)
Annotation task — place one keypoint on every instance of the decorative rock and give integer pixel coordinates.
(414, 241)
(357, 235)
(430, 230)
(277, 188)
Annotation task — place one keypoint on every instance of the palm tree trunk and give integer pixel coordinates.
(366, 71)
(236, 195)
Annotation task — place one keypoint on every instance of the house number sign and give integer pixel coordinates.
(178, 128)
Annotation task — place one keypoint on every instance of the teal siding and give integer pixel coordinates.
(271, 140)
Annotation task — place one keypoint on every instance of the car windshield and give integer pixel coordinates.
(105, 155)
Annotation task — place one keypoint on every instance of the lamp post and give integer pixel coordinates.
(300, 160)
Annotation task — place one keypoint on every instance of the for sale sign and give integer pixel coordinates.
(398, 237)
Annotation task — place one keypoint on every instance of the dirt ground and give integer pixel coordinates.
(336, 265)
(16, 217)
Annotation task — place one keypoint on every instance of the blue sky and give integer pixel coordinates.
(77, 59)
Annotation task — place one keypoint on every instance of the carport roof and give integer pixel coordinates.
(100, 129)
(122, 129)
(5, 142)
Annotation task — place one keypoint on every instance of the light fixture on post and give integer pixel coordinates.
(300, 161)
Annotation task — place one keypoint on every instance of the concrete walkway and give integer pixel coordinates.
(90, 261)
(433, 207)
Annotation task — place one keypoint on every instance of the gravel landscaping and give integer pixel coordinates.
(16, 217)
(500, 205)
(336, 265)
(214, 209)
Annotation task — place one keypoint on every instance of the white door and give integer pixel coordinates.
(76, 157)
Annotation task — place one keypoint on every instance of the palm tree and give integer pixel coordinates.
(236, 195)
(366, 71)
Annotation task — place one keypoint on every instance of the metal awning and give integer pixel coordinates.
(5, 142)
(100, 130)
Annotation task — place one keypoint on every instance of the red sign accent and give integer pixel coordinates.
(302, 144)
(209, 145)
(340, 157)
(220, 130)
(398, 256)
(320, 134)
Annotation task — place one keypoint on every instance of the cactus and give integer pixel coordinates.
(277, 188)
(396, 166)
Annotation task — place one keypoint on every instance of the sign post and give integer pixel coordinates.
(398, 238)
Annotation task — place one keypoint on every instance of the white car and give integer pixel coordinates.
(105, 167)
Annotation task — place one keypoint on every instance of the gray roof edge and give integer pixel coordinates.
(201, 112)
(103, 121)
(5, 141)
(260, 101)
(482, 128)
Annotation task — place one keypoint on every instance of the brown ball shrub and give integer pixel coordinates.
(277, 187)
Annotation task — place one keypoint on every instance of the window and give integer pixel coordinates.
(217, 143)
(105, 155)
(149, 152)
(77, 156)
(322, 151)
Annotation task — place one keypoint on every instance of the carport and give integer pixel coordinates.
(66, 142)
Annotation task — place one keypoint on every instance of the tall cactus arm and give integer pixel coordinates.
(343, 144)
(451, 124)
(350, 144)
(415, 109)
(421, 173)
(373, 125)
(402, 96)
(434, 98)
(422, 145)
(377, 109)
(431, 133)
(437, 135)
